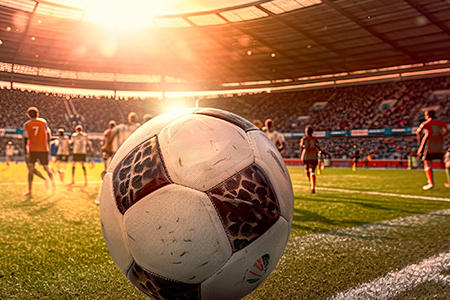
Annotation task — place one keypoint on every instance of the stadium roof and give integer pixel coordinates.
(264, 43)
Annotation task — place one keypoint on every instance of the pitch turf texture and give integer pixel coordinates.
(343, 244)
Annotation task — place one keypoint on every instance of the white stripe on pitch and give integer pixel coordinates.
(396, 282)
(378, 193)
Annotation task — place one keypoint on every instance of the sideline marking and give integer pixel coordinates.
(396, 282)
(378, 193)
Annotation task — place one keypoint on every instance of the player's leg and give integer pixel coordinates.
(313, 179)
(50, 176)
(30, 167)
(73, 172)
(429, 175)
(447, 172)
(62, 166)
(43, 158)
(84, 172)
(38, 174)
(307, 173)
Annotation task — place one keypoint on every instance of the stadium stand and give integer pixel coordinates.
(381, 105)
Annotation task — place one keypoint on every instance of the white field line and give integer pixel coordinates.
(378, 193)
(397, 282)
(372, 237)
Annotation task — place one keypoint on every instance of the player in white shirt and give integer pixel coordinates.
(63, 153)
(80, 144)
(9, 152)
(121, 132)
(276, 137)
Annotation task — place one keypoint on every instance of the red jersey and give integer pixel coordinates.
(36, 131)
(309, 145)
(433, 136)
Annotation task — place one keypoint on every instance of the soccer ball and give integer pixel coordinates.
(197, 204)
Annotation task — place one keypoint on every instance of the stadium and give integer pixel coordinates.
(361, 73)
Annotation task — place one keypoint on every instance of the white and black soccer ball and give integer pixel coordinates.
(197, 204)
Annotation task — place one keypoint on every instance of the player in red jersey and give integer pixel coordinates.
(309, 148)
(36, 136)
(430, 137)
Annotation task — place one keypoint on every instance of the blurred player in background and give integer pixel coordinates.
(430, 137)
(36, 135)
(258, 123)
(447, 167)
(121, 132)
(9, 152)
(107, 148)
(53, 150)
(310, 150)
(356, 157)
(80, 145)
(146, 118)
(62, 155)
(276, 137)
(320, 162)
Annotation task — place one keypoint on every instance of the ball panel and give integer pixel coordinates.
(175, 232)
(162, 288)
(248, 268)
(138, 174)
(229, 117)
(112, 226)
(269, 159)
(201, 151)
(146, 131)
(247, 206)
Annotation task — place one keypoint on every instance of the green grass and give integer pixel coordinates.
(51, 245)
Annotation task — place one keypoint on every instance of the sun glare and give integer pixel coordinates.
(119, 14)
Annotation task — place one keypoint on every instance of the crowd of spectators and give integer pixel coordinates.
(342, 108)
(347, 108)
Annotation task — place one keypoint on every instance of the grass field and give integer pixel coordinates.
(51, 245)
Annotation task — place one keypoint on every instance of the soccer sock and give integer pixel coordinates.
(429, 173)
(447, 172)
(313, 181)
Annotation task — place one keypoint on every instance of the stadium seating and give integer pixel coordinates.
(382, 105)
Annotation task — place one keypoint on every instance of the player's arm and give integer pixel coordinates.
(422, 144)
(320, 150)
(444, 130)
(90, 145)
(302, 147)
(25, 139)
(282, 143)
(419, 134)
(25, 142)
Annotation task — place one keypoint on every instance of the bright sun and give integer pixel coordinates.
(126, 14)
